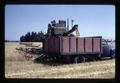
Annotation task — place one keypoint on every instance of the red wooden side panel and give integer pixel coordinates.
(48, 40)
(51, 44)
(46, 45)
(72, 44)
(96, 45)
(88, 45)
(56, 44)
(72, 47)
(80, 45)
(65, 44)
(61, 44)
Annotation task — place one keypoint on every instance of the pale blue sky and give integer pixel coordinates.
(92, 20)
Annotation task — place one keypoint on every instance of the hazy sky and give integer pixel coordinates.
(92, 20)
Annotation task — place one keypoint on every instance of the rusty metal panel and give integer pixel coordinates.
(65, 44)
(72, 47)
(96, 45)
(80, 45)
(88, 45)
(56, 44)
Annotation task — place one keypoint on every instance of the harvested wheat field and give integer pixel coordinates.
(16, 66)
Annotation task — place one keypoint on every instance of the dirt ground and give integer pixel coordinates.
(16, 66)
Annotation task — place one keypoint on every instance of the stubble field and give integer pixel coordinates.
(16, 66)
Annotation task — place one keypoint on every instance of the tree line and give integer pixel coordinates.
(32, 37)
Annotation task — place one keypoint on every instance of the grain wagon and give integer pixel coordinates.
(60, 44)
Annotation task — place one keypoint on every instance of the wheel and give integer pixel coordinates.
(79, 59)
(112, 56)
(112, 53)
(53, 59)
(99, 57)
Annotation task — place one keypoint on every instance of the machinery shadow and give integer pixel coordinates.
(50, 63)
(59, 63)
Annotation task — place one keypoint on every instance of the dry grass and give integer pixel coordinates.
(16, 66)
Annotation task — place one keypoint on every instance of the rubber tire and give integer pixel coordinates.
(79, 59)
(112, 56)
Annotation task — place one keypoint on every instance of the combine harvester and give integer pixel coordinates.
(61, 45)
